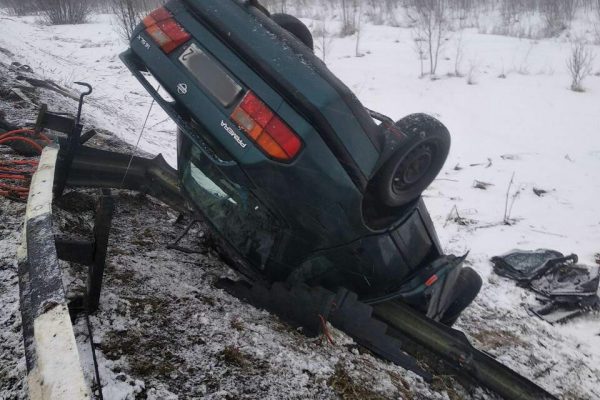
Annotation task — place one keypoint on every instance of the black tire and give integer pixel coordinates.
(467, 288)
(416, 163)
(295, 27)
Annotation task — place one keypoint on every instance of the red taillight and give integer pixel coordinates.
(266, 129)
(164, 30)
(160, 14)
(433, 279)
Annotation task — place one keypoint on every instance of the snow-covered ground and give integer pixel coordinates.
(518, 117)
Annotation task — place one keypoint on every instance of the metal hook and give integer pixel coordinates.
(89, 91)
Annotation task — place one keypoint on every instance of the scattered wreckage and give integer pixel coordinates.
(564, 288)
(317, 206)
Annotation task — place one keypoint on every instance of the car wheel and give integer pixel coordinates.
(295, 27)
(467, 288)
(416, 163)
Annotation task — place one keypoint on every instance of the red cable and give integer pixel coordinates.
(13, 188)
(16, 132)
(15, 177)
(18, 193)
(16, 167)
(19, 162)
(16, 172)
(325, 330)
(22, 139)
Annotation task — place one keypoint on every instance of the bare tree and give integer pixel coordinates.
(580, 64)
(358, 27)
(59, 12)
(129, 13)
(431, 27)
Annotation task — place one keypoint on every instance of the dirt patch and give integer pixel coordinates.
(492, 339)
(76, 202)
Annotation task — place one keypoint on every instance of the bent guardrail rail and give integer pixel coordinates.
(98, 168)
(53, 367)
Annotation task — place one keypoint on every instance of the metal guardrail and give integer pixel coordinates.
(53, 364)
(391, 330)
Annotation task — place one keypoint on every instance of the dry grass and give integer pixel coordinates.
(148, 356)
(402, 386)
(237, 324)
(447, 384)
(348, 388)
(234, 357)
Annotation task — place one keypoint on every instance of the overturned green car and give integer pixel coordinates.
(302, 183)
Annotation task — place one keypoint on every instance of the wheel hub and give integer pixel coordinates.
(414, 167)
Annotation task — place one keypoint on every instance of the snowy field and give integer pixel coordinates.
(511, 114)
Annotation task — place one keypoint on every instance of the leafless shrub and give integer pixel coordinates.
(580, 64)
(60, 12)
(20, 7)
(419, 47)
(458, 56)
(520, 18)
(597, 24)
(431, 27)
(129, 13)
(349, 11)
(568, 10)
(510, 202)
(283, 4)
(510, 11)
(325, 38)
(558, 15)
(472, 74)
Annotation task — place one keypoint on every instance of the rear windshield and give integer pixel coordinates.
(233, 210)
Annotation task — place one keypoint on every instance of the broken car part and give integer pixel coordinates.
(565, 289)
(525, 266)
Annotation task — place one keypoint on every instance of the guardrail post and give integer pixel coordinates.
(104, 212)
